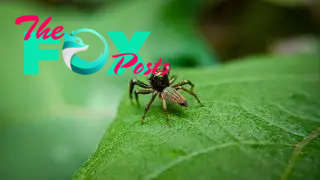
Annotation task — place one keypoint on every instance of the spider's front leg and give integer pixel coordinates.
(190, 92)
(154, 95)
(185, 82)
(165, 108)
(141, 91)
(134, 82)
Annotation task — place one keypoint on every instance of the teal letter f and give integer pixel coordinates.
(32, 53)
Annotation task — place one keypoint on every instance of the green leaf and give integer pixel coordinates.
(260, 120)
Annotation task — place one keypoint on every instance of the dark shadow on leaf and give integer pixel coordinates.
(176, 110)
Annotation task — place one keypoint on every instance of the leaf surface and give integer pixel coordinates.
(261, 120)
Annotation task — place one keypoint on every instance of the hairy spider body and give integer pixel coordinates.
(162, 86)
(159, 82)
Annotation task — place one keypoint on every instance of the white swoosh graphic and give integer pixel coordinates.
(69, 52)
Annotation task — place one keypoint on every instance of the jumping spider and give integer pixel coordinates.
(163, 86)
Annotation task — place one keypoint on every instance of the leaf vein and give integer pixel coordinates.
(291, 113)
(266, 120)
(204, 151)
(296, 151)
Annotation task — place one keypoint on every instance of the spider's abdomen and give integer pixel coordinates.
(172, 95)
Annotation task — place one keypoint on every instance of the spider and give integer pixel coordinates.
(162, 86)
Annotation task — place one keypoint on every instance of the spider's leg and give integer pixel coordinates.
(165, 109)
(141, 91)
(134, 82)
(154, 95)
(173, 79)
(190, 92)
(184, 82)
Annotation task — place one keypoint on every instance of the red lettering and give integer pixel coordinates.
(35, 18)
(166, 65)
(149, 69)
(56, 31)
(137, 68)
(156, 65)
(25, 18)
(133, 61)
(46, 31)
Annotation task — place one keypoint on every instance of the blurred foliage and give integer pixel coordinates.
(239, 28)
(258, 115)
(172, 23)
(52, 122)
(288, 3)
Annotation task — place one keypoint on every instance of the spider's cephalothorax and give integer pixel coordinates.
(159, 82)
(163, 86)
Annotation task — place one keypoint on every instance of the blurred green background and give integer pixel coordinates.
(52, 122)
